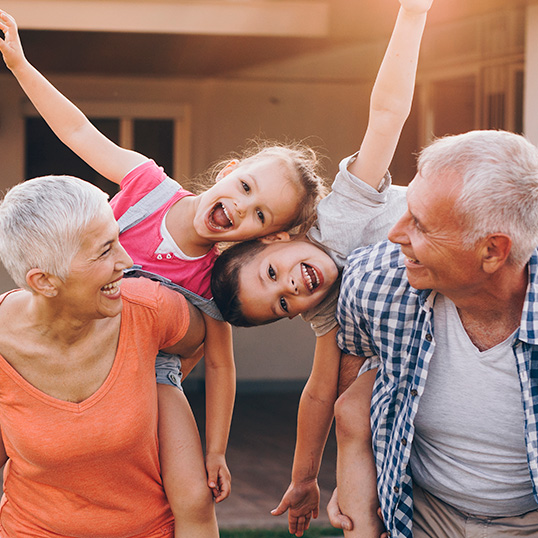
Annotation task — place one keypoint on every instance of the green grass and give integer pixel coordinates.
(314, 532)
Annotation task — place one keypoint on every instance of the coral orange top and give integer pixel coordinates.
(91, 469)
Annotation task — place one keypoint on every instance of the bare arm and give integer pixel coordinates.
(220, 397)
(313, 423)
(68, 123)
(392, 94)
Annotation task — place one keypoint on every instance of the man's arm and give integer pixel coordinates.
(68, 123)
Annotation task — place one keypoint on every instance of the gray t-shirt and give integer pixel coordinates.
(469, 444)
(353, 215)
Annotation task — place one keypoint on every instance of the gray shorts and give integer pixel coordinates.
(168, 369)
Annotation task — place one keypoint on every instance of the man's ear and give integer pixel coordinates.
(42, 283)
(496, 250)
(273, 238)
(230, 167)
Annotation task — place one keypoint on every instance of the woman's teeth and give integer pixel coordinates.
(112, 288)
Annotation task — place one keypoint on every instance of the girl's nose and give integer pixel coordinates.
(293, 287)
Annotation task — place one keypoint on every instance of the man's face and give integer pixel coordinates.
(430, 234)
(287, 278)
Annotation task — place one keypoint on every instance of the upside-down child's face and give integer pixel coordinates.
(248, 201)
(285, 279)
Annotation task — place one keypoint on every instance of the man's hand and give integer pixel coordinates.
(337, 519)
(302, 501)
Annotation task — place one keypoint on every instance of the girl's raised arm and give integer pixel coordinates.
(68, 123)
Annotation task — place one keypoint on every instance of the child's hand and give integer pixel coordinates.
(302, 500)
(10, 46)
(416, 6)
(219, 478)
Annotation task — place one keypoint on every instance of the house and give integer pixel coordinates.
(187, 82)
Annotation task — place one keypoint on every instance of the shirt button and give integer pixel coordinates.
(159, 256)
(168, 256)
(414, 392)
(429, 337)
(404, 441)
(396, 489)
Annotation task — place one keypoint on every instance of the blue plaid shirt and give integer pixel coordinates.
(383, 318)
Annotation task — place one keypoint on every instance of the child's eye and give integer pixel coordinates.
(245, 186)
(271, 273)
(261, 216)
(283, 304)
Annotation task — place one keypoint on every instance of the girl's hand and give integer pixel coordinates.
(219, 478)
(416, 6)
(10, 45)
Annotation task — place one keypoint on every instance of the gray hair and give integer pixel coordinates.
(500, 185)
(42, 222)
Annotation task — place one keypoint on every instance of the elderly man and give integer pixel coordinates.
(449, 313)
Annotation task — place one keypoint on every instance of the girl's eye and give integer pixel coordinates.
(271, 273)
(245, 186)
(283, 304)
(261, 216)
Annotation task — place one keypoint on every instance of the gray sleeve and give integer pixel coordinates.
(353, 215)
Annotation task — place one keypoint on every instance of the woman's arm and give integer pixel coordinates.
(68, 123)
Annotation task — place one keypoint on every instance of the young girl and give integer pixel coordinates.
(299, 275)
(173, 233)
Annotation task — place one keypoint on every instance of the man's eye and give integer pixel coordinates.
(245, 186)
(271, 273)
(283, 304)
(261, 216)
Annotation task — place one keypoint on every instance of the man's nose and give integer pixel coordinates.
(397, 234)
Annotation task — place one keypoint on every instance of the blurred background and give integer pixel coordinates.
(188, 82)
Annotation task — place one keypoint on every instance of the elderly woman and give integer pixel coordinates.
(78, 400)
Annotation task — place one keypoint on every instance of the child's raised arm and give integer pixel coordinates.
(68, 123)
(392, 94)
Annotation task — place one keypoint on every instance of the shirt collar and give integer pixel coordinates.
(528, 331)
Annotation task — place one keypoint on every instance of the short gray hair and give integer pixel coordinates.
(500, 185)
(42, 222)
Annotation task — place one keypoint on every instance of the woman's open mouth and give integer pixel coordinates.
(311, 276)
(111, 289)
(219, 218)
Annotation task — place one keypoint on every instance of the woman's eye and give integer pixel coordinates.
(283, 304)
(261, 216)
(105, 252)
(271, 272)
(245, 186)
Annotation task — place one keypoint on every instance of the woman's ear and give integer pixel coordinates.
(42, 282)
(230, 167)
(273, 238)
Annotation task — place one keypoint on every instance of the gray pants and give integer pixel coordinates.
(435, 519)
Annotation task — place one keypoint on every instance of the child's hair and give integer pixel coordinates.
(304, 166)
(225, 281)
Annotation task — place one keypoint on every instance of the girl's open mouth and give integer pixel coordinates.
(219, 217)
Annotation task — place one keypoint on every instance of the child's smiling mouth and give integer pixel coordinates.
(311, 277)
(219, 217)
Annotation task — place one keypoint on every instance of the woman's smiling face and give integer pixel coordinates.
(285, 279)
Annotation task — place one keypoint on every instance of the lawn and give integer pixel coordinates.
(314, 532)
